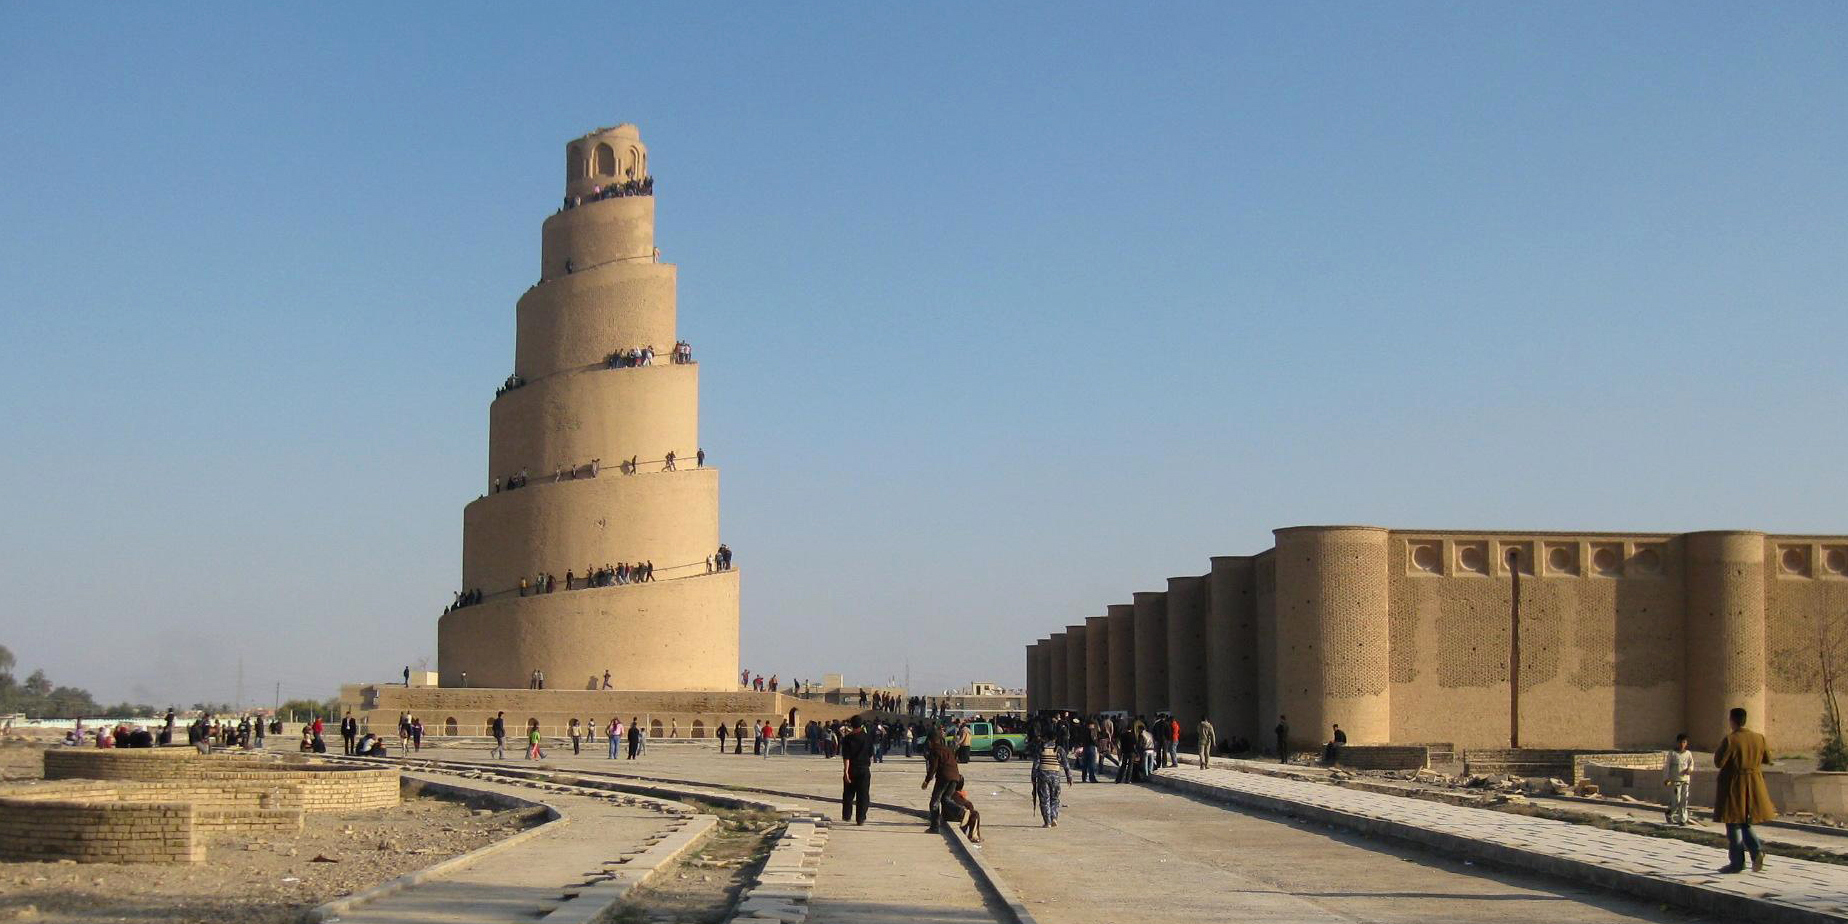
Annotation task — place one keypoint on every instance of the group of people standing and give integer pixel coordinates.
(635, 357)
(631, 187)
(609, 575)
(464, 598)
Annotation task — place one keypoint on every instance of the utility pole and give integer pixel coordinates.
(1514, 651)
(240, 683)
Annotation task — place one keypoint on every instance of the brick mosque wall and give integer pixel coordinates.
(1601, 649)
(1403, 636)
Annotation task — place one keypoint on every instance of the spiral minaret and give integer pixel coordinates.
(570, 420)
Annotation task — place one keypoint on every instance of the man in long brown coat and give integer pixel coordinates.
(1742, 799)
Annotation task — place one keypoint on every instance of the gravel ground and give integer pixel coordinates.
(258, 879)
(703, 887)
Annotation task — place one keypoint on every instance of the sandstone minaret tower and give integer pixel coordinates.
(570, 420)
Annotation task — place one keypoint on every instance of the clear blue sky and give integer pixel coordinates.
(1004, 311)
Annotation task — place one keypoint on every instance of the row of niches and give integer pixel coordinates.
(1608, 558)
(1805, 559)
(603, 160)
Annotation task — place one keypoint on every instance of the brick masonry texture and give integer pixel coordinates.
(1403, 636)
(161, 805)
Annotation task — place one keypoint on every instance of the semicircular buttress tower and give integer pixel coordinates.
(562, 498)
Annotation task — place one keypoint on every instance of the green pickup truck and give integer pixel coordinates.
(1000, 744)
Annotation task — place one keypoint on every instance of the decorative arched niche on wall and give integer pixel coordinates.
(1426, 557)
(574, 163)
(606, 160)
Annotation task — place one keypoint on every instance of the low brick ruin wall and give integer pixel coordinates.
(1814, 791)
(162, 805)
(1385, 756)
(1565, 764)
(104, 822)
(322, 787)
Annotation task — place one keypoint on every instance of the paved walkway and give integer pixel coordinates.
(1641, 812)
(1667, 869)
(887, 872)
(1212, 863)
(525, 881)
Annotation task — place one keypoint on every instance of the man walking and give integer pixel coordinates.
(1205, 734)
(1677, 775)
(940, 765)
(1283, 739)
(1742, 799)
(856, 772)
(349, 732)
(499, 730)
(1046, 773)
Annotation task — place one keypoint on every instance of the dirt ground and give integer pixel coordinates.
(264, 879)
(702, 888)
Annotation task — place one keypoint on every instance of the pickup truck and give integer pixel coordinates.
(1001, 745)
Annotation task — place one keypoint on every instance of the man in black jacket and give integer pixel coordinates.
(349, 732)
(856, 772)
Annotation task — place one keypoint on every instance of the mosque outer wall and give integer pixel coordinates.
(1187, 687)
(1035, 695)
(1076, 644)
(1096, 663)
(1150, 618)
(1059, 665)
(1403, 636)
(1120, 691)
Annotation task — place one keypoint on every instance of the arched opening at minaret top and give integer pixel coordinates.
(606, 160)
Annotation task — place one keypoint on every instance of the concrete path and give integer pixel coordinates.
(1644, 813)
(1834, 841)
(886, 872)
(526, 881)
(1211, 863)
(1660, 868)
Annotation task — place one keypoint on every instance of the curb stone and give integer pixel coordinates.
(1685, 894)
(331, 911)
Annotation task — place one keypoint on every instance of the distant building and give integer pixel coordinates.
(985, 699)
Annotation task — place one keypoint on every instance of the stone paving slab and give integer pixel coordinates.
(1655, 868)
(568, 873)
